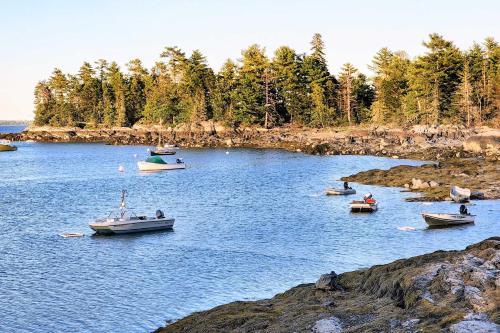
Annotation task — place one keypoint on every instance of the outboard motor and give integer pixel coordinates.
(159, 214)
(368, 196)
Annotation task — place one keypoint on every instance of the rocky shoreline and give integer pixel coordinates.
(433, 181)
(417, 142)
(444, 291)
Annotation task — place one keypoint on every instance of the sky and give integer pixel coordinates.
(37, 36)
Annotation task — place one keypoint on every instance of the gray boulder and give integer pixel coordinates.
(328, 282)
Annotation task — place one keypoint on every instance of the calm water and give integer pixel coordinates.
(249, 224)
(12, 128)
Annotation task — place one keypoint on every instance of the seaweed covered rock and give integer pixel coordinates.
(328, 282)
(444, 291)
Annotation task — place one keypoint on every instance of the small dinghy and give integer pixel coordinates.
(340, 191)
(171, 146)
(368, 204)
(445, 219)
(156, 163)
(459, 194)
(161, 151)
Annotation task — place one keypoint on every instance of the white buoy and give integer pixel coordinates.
(121, 168)
(148, 150)
(227, 153)
(135, 155)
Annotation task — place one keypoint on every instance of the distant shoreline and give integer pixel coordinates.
(15, 122)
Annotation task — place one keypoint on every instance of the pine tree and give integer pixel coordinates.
(316, 71)
(60, 89)
(363, 96)
(391, 84)
(117, 84)
(434, 78)
(320, 112)
(197, 84)
(44, 104)
(225, 83)
(163, 104)
(291, 86)
(465, 95)
(249, 94)
(135, 96)
(346, 78)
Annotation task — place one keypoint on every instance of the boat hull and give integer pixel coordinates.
(126, 227)
(147, 166)
(444, 220)
(7, 148)
(339, 191)
(362, 207)
(160, 153)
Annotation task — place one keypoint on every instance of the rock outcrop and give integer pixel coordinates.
(328, 282)
(481, 175)
(454, 291)
(489, 145)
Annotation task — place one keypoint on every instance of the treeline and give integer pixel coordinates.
(445, 85)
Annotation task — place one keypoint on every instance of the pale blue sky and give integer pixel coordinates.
(36, 36)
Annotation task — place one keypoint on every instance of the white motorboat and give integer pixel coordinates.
(444, 219)
(156, 163)
(126, 221)
(459, 194)
(340, 191)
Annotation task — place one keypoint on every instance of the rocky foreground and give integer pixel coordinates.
(453, 291)
(421, 142)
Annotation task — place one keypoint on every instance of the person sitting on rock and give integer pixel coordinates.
(463, 210)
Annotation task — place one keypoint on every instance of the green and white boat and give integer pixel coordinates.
(156, 163)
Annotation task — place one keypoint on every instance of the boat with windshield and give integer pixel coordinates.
(126, 221)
